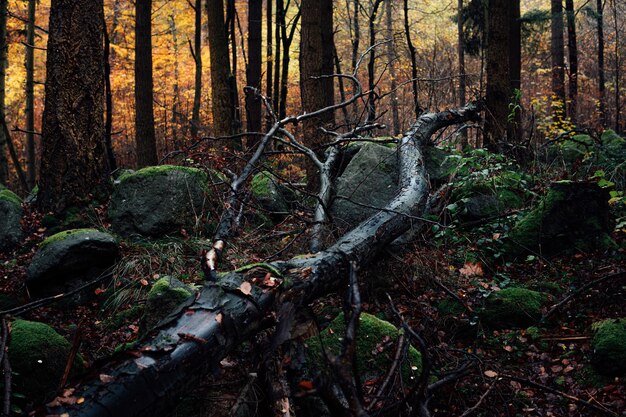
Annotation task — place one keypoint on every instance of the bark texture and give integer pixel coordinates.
(197, 57)
(201, 332)
(73, 156)
(4, 163)
(145, 137)
(572, 48)
(556, 50)
(253, 72)
(30, 95)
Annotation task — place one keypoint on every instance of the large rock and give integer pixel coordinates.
(157, 201)
(269, 194)
(513, 307)
(609, 347)
(68, 259)
(572, 216)
(10, 215)
(38, 355)
(370, 179)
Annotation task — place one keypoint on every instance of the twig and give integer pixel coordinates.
(13, 153)
(480, 400)
(619, 274)
(72, 355)
(453, 295)
(401, 344)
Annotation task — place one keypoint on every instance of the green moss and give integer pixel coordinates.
(164, 169)
(263, 265)
(38, 355)
(119, 319)
(372, 334)
(514, 307)
(609, 347)
(10, 196)
(261, 184)
(163, 286)
(63, 235)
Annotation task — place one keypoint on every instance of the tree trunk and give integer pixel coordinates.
(371, 74)
(206, 328)
(463, 141)
(175, 88)
(391, 56)
(197, 57)
(253, 72)
(572, 48)
(558, 56)
(316, 60)
(73, 155)
(514, 119)
(145, 137)
(280, 17)
(108, 121)
(617, 60)
(413, 55)
(498, 81)
(231, 17)
(221, 106)
(287, 39)
(4, 49)
(601, 78)
(269, 76)
(30, 95)
(355, 39)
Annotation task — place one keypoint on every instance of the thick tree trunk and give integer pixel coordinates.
(31, 162)
(601, 77)
(73, 155)
(221, 105)
(145, 136)
(253, 72)
(557, 53)
(197, 57)
(4, 48)
(108, 115)
(202, 332)
(316, 59)
(572, 48)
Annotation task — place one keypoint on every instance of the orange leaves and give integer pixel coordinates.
(471, 269)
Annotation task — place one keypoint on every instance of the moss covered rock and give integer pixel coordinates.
(572, 216)
(375, 347)
(10, 216)
(38, 355)
(609, 347)
(513, 307)
(68, 259)
(157, 201)
(165, 295)
(268, 194)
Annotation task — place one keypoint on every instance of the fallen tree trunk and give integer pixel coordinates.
(195, 338)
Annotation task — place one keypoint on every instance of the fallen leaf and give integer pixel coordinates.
(144, 282)
(80, 400)
(219, 317)
(508, 348)
(305, 384)
(106, 378)
(491, 374)
(472, 269)
(245, 288)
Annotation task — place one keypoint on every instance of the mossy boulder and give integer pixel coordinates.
(609, 347)
(375, 347)
(571, 216)
(38, 355)
(10, 215)
(370, 179)
(269, 195)
(157, 201)
(513, 307)
(165, 295)
(69, 259)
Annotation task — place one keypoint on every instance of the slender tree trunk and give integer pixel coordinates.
(145, 136)
(371, 73)
(197, 57)
(572, 48)
(4, 48)
(222, 106)
(618, 105)
(461, 55)
(342, 89)
(413, 55)
(73, 155)
(315, 48)
(30, 94)
(253, 72)
(280, 18)
(356, 41)
(269, 76)
(108, 121)
(287, 39)
(601, 76)
(391, 56)
(514, 119)
(231, 17)
(175, 88)
(498, 81)
(558, 56)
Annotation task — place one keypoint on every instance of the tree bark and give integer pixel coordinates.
(108, 118)
(197, 57)
(572, 49)
(558, 56)
(413, 55)
(391, 56)
(617, 63)
(601, 77)
(498, 70)
(286, 39)
(221, 106)
(73, 155)
(201, 332)
(514, 119)
(463, 141)
(269, 76)
(31, 161)
(145, 136)
(175, 88)
(371, 74)
(316, 60)
(4, 48)
(253, 72)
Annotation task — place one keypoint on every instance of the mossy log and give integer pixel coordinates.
(204, 330)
